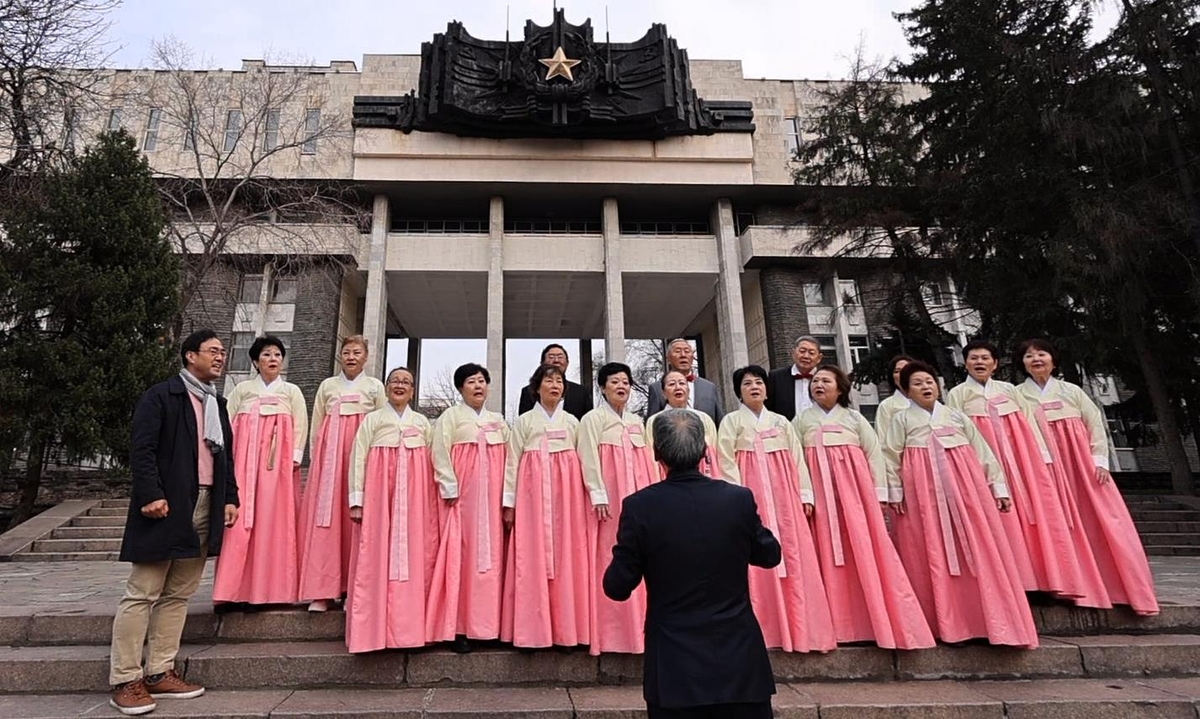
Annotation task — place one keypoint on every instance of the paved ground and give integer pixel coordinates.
(92, 587)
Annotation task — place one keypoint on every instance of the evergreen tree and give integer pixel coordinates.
(88, 288)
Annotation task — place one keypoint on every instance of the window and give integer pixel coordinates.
(860, 347)
(935, 294)
(233, 129)
(72, 126)
(312, 125)
(189, 135)
(742, 221)
(816, 294)
(150, 140)
(114, 120)
(791, 130)
(848, 293)
(271, 135)
(284, 290)
(251, 289)
(829, 351)
(239, 354)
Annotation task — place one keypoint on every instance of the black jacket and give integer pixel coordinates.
(694, 539)
(577, 400)
(163, 462)
(781, 392)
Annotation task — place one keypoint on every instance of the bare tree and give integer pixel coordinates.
(437, 393)
(647, 359)
(47, 48)
(256, 167)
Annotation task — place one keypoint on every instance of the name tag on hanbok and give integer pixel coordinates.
(412, 437)
(1052, 404)
(832, 428)
(268, 404)
(769, 433)
(557, 435)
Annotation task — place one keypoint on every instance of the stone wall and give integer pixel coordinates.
(215, 302)
(783, 310)
(314, 331)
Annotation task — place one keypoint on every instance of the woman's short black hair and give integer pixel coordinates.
(740, 374)
(892, 367)
(1036, 343)
(264, 342)
(469, 370)
(913, 368)
(541, 373)
(610, 369)
(840, 378)
(981, 345)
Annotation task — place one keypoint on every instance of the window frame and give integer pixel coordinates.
(150, 136)
(233, 132)
(312, 127)
(271, 129)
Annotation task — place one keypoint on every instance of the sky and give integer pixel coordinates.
(775, 39)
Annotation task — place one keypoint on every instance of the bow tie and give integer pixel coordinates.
(691, 377)
(801, 375)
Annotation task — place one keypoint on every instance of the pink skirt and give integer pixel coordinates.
(1038, 529)
(1103, 520)
(392, 565)
(972, 591)
(616, 626)
(789, 600)
(468, 576)
(325, 551)
(255, 563)
(870, 596)
(546, 583)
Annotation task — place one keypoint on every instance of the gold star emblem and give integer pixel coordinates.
(559, 65)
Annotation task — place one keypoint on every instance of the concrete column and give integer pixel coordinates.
(495, 304)
(413, 363)
(375, 307)
(586, 373)
(614, 299)
(731, 314)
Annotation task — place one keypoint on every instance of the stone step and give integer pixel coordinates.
(98, 522)
(1041, 699)
(1155, 527)
(1182, 550)
(1166, 515)
(88, 533)
(1169, 539)
(103, 511)
(77, 545)
(325, 664)
(119, 503)
(66, 557)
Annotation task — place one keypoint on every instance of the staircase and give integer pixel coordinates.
(94, 535)
(1167, 526)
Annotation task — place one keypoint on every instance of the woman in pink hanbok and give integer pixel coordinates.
(470, 449)
(759, 450)
(392, 499)
(870, 596)
(269, 426)
(1042, 522)
(546, 582)
(675, 392)
(1073, 427)
(948, 532)
(616, 463)
(326, 532)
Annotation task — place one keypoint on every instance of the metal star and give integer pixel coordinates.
(559, 65)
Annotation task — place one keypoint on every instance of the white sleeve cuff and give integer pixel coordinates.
(510, 500)
(451, 493)
(1101, 462)
(598, 496)
(356, 499)
(895, 494)
(881, 493)
(1000, 491)
(806, 496)
(1047, 457)
(298, 455)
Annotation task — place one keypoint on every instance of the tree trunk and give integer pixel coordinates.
(1164, 410)
(29, 484)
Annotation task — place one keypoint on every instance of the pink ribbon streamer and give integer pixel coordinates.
(949, 514)
(483, 548)
(1016, 481)
(329, 462)
(760, 462)
(823, 464)
(398, 534)
(1066, 493)
(548, 497)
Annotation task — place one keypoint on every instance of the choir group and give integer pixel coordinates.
(931, 525)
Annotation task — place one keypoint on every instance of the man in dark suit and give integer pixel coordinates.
(702, 395)
(787, 387)
(577, 399)
(693, 539)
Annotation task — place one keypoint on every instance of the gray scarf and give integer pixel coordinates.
(214, 437)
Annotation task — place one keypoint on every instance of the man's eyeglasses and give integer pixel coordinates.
(212, 352)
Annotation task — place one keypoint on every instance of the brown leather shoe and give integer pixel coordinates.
(132, 699)
(172, 686)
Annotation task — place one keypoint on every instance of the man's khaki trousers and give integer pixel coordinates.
(154, 608)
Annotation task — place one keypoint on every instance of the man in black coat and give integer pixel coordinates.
(787, 387)
(693, 539)
(577, 399)
(184, 496)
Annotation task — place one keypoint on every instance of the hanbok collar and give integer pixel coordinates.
(550, 415)
(832, 410)
(1040, 390)
(471, 409)
(901, 397)
(938, 408)
(613, 410)
(402, 416)
(757, 417)
(275, 383)
(983, 386)
(346, 381)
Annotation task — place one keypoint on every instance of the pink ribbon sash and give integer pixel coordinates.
(760, 463)
(824, 465)
(332, 459)
(483, 547)
(1016, 481)
(548, 497)
(949, 513)
(251, 482)
(398, 534)
(1066, 493)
